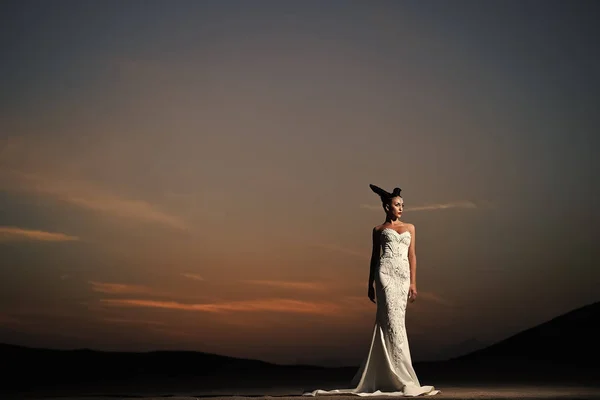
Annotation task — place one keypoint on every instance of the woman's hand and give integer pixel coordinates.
(372, 293)
(412, 293)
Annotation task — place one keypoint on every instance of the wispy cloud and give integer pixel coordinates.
(88, 196)
(272, 305)
(443, 206)
(120, 288)
(428, 207)
(124, 321)
(11, 233)
(195, 277)
(288, 284)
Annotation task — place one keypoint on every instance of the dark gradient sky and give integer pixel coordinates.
(194, 175)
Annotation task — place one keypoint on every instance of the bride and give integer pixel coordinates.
(388, 370)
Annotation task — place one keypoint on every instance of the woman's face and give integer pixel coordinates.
(396, 206)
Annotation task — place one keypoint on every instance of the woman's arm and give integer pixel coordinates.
(412, 260)
(374, 257)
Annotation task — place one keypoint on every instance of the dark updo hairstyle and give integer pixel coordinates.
(384, 195)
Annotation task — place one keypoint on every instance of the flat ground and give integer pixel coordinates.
(457, 392)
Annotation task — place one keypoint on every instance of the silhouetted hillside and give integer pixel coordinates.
(570, 339)
(128, 363)
(562, 350)
(26, 369)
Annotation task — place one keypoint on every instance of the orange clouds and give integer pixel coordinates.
(120, 288)
(272, 305)
(85, 195)
(340, 306)
(282, 305)
(288, 284)
(8, 233)
(124, 321)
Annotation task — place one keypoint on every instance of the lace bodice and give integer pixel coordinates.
(394, 244)
(394, 253)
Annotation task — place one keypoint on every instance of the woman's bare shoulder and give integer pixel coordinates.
(377, 231)
(378, 228)
(409, 227)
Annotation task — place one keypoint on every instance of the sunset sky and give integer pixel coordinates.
(194, 174)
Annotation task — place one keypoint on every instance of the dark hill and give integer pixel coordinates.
(569, 339)
(563, 350)
(25, 369)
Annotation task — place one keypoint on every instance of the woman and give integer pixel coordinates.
(388, 368)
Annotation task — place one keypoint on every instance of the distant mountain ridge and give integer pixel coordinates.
(76, 371)
(215, 361)
(572, 338)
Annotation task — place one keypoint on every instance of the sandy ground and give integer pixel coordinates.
(464, 392)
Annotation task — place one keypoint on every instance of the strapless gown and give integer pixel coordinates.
(388, 369)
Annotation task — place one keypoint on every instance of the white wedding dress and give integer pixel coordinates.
(388, 370)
